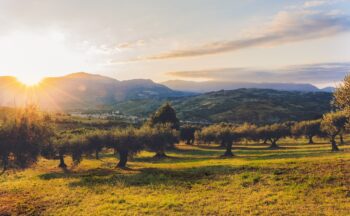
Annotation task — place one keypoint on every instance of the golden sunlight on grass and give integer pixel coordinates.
(298, 179)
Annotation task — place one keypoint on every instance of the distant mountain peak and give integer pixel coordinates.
(79, 75)
(85, 75)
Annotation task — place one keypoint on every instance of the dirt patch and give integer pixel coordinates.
(12, 203)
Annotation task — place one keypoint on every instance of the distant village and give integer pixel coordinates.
(107, 115)
(117, 115)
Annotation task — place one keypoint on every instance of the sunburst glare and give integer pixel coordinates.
(29, 79)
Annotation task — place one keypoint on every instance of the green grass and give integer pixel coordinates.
(298, 179)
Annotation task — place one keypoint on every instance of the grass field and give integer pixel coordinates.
(298, 179)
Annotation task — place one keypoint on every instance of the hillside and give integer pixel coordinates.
(299, 178)
(140, 97)
(242, 105)
(80, 91)
(208, 86)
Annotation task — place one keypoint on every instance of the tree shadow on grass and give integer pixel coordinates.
(172, 159)
(153, 176)
(200, 154)
(69, 174)
(198, 150)
(289, 155)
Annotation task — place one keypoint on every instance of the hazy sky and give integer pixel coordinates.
(251, 40)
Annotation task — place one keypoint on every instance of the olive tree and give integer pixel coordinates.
(4, 147)
(226, 135)
(160, 138)
(125, 142)
(273, 133)
(207, 135)
(165, 115)
(247, 131)
(333, 124)
(96, 141)
(187, 134)
(342, 95)
(24, 137)
(66, 144)
(308, 129)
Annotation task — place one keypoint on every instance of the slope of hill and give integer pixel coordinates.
(328, 89)
(81, 91)
(242, 105)
(209, 86)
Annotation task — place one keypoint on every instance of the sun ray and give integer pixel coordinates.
(29, 80)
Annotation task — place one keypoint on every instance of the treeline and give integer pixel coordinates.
(31, 134)
(124, 141)
(331, 126)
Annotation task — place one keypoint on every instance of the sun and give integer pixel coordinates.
(33, 55)
(29, 80)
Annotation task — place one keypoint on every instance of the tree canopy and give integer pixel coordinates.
(342, 95)
(308, 129)
(165, 115)
(333, 124)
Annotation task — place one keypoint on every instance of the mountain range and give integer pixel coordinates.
(209, 86)
(81, 91)
(251, 102)
(258, 106)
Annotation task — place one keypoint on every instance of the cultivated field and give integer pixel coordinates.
(298, 179)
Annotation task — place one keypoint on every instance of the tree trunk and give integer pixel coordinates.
(123, 158)
(311, 141)
(4, 162)
(341, 139)
(62, 163)
(273, 144)
(265, 141)
(97, 156)
(160, 154)
(223, 145)
(334, 144)
(228, 152)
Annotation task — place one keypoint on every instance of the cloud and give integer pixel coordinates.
(309, 4)
(285, 27)
(311, 73)
(131, 44)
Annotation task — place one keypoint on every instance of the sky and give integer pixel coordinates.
(222, 40)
